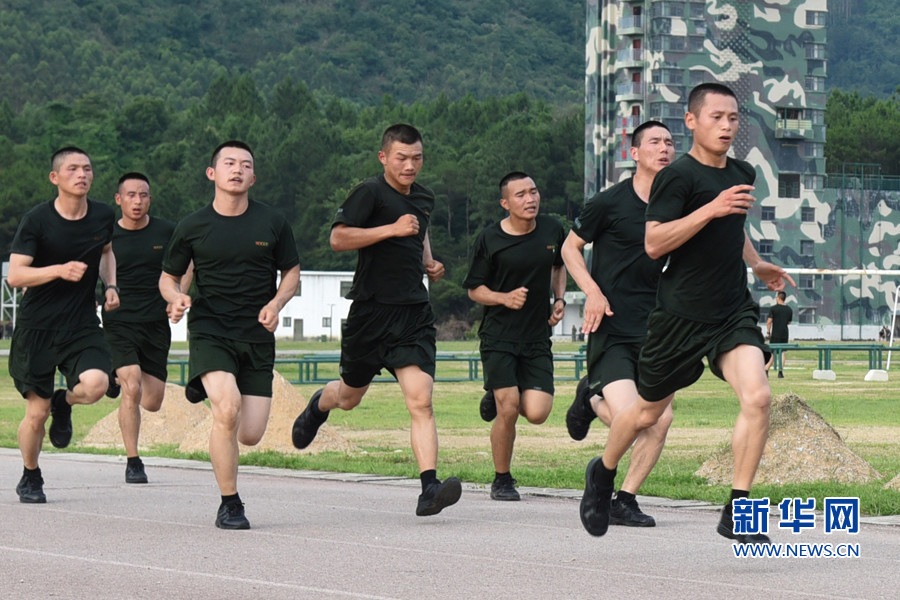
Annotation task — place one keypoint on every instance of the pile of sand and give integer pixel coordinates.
(893, 484)
(188, 425)
(802, 447)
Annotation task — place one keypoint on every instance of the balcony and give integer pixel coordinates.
(632, 90)
(632, 25)
(799, 129)
(630, 57)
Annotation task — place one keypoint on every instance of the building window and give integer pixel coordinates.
(813, 182)
(695, 44)
(326, 321)
(286, 322)
(806, 282)
(815, 18)
(813, 150)
(815, 50)
(815, 84)
(807, 247)
(808, 214)
(766, 246)
(668, 9)
(299, 289)
(768, 213)
(817, 117)
(789, 185)
(670, 76)
(698, 10)
(345, 288)
(806, 316)
(697, 77)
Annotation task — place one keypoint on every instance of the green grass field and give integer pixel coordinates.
(865, 413)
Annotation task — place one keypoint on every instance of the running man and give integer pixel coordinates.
(138, 331)
(515, 267)
(620, 292)
(695, 217)
(236, 245)
(390, 324)
(59, 250)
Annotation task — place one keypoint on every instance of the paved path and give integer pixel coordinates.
(324, 536)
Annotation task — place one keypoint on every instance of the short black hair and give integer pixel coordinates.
(229, 144)
(638, 133)
(62, 153)
(512, 176)
(698, 95)
(401, 132)
(133, 175)
(781, 295)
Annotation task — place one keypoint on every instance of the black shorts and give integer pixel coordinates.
(671, 358)
(143, 344)
(389, 336)
(526, 365)
(35, 354)
(611, 358)
(251, 363)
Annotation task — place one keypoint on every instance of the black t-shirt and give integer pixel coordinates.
(139, 255)
(236, 260)
(781, 315)
(390, 271)
(505, 262)
(50, 239)
(614, 221)
(706, 278)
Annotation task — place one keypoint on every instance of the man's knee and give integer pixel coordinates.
(94, 384)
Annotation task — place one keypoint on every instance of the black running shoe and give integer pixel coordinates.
(595, 503)
(438, 496)
(31, 490)
(726, 529)
(61, 425)
(194, 393)
(134, 472)
(629, 514)
(580, 414)
(488, 406)
(504, 490)
(306, 425)
(231, 516)
(113, 389)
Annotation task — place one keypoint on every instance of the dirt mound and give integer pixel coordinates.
(188, 425)
(802, 447)
(893, 484)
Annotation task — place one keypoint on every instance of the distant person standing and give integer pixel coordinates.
(138, 331)
(515, 268)
(780, 316)
(59, 250)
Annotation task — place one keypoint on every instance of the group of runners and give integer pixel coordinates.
(666, 286)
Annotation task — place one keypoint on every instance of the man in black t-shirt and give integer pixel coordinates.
(515, 268)
(237, 245)
(59, 250)
(390, 324)
(138, 331)
(695, 217)
(780, 315)
(620, 292)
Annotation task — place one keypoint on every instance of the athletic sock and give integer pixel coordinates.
(134, 461)
(428, 477)
(623, 496)
(232, 499)
(735, 494)
(319, 414)
(604, 477)
(502, 476)
(31, 473)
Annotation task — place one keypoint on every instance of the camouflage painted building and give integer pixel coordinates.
(642, 59)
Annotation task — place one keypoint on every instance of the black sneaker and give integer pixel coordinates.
(306, 425)
(629, 514)
(726, 529)
(31, 490)
(134, 472)
(61, 425)
(488, 406)
(504, 490)
(580, 414)
(231, 516)
(595, 503)
(194, 393)
(113, 389)
(438, 496)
